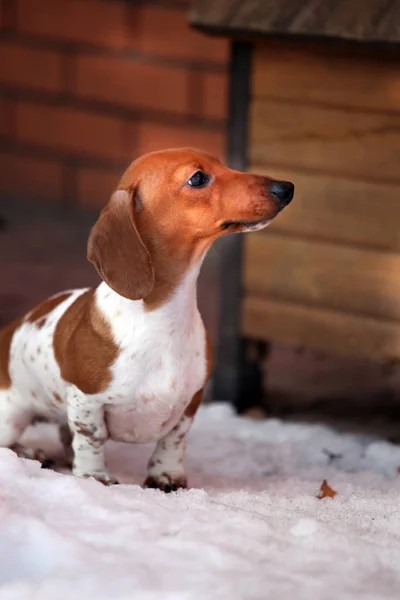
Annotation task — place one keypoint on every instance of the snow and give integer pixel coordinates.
(251, 527)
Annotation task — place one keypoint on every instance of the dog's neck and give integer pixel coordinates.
(179, 299)
(176, 265)
(172, 301)
(177, 280)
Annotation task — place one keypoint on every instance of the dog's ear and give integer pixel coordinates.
(117, 250)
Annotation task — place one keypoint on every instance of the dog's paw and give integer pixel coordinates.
(104, 477)
(166, 482)
(48, 463)
(30, 453)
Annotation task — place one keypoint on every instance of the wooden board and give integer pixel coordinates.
(331, 141)
(322, 74)
(299, 326)
(337, 209)
(325, 275)
(372, 21)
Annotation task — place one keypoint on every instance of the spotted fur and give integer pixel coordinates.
(128, 360)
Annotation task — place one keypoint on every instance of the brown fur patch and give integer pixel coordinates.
(84, 347)
(209, 357)
(45, 307)
(6, 336)
(194, 404)
(37, 314)
(84, 430)
(57, 398)
(169, 273)
(41, 322)
(117, 250)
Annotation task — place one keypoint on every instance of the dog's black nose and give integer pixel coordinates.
(283, 192)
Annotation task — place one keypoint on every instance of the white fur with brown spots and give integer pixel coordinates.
(129, 359)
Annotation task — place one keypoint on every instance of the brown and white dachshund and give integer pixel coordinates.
(128, 360)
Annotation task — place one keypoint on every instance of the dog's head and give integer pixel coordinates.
(168, 209)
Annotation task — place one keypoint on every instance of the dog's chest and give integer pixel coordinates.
(161, 365)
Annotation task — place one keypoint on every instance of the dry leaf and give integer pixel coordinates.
(257, 413)
(326, 491)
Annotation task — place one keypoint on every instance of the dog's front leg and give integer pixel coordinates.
(89, 435)
(165, 468)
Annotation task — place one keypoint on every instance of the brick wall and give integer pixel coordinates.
(87, 85)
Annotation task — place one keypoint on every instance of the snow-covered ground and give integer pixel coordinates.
(250, 527)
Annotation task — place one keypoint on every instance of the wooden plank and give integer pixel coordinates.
(372, 21)
(317, 73)
(337, 209)
(324, 275)
(299, 326)
(364, 145)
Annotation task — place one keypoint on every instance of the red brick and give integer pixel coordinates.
(166, 32)
(147, 137)
(32, 177)
(136, 84)
(75, 131)
(30, 67)
(91, 21)
(215, 95)
(132, 83)
(95, 187)
(8, 12)
(7, 117)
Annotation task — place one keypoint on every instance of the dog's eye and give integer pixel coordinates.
(199, 179)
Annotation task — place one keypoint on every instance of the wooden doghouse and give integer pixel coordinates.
(315, 99)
